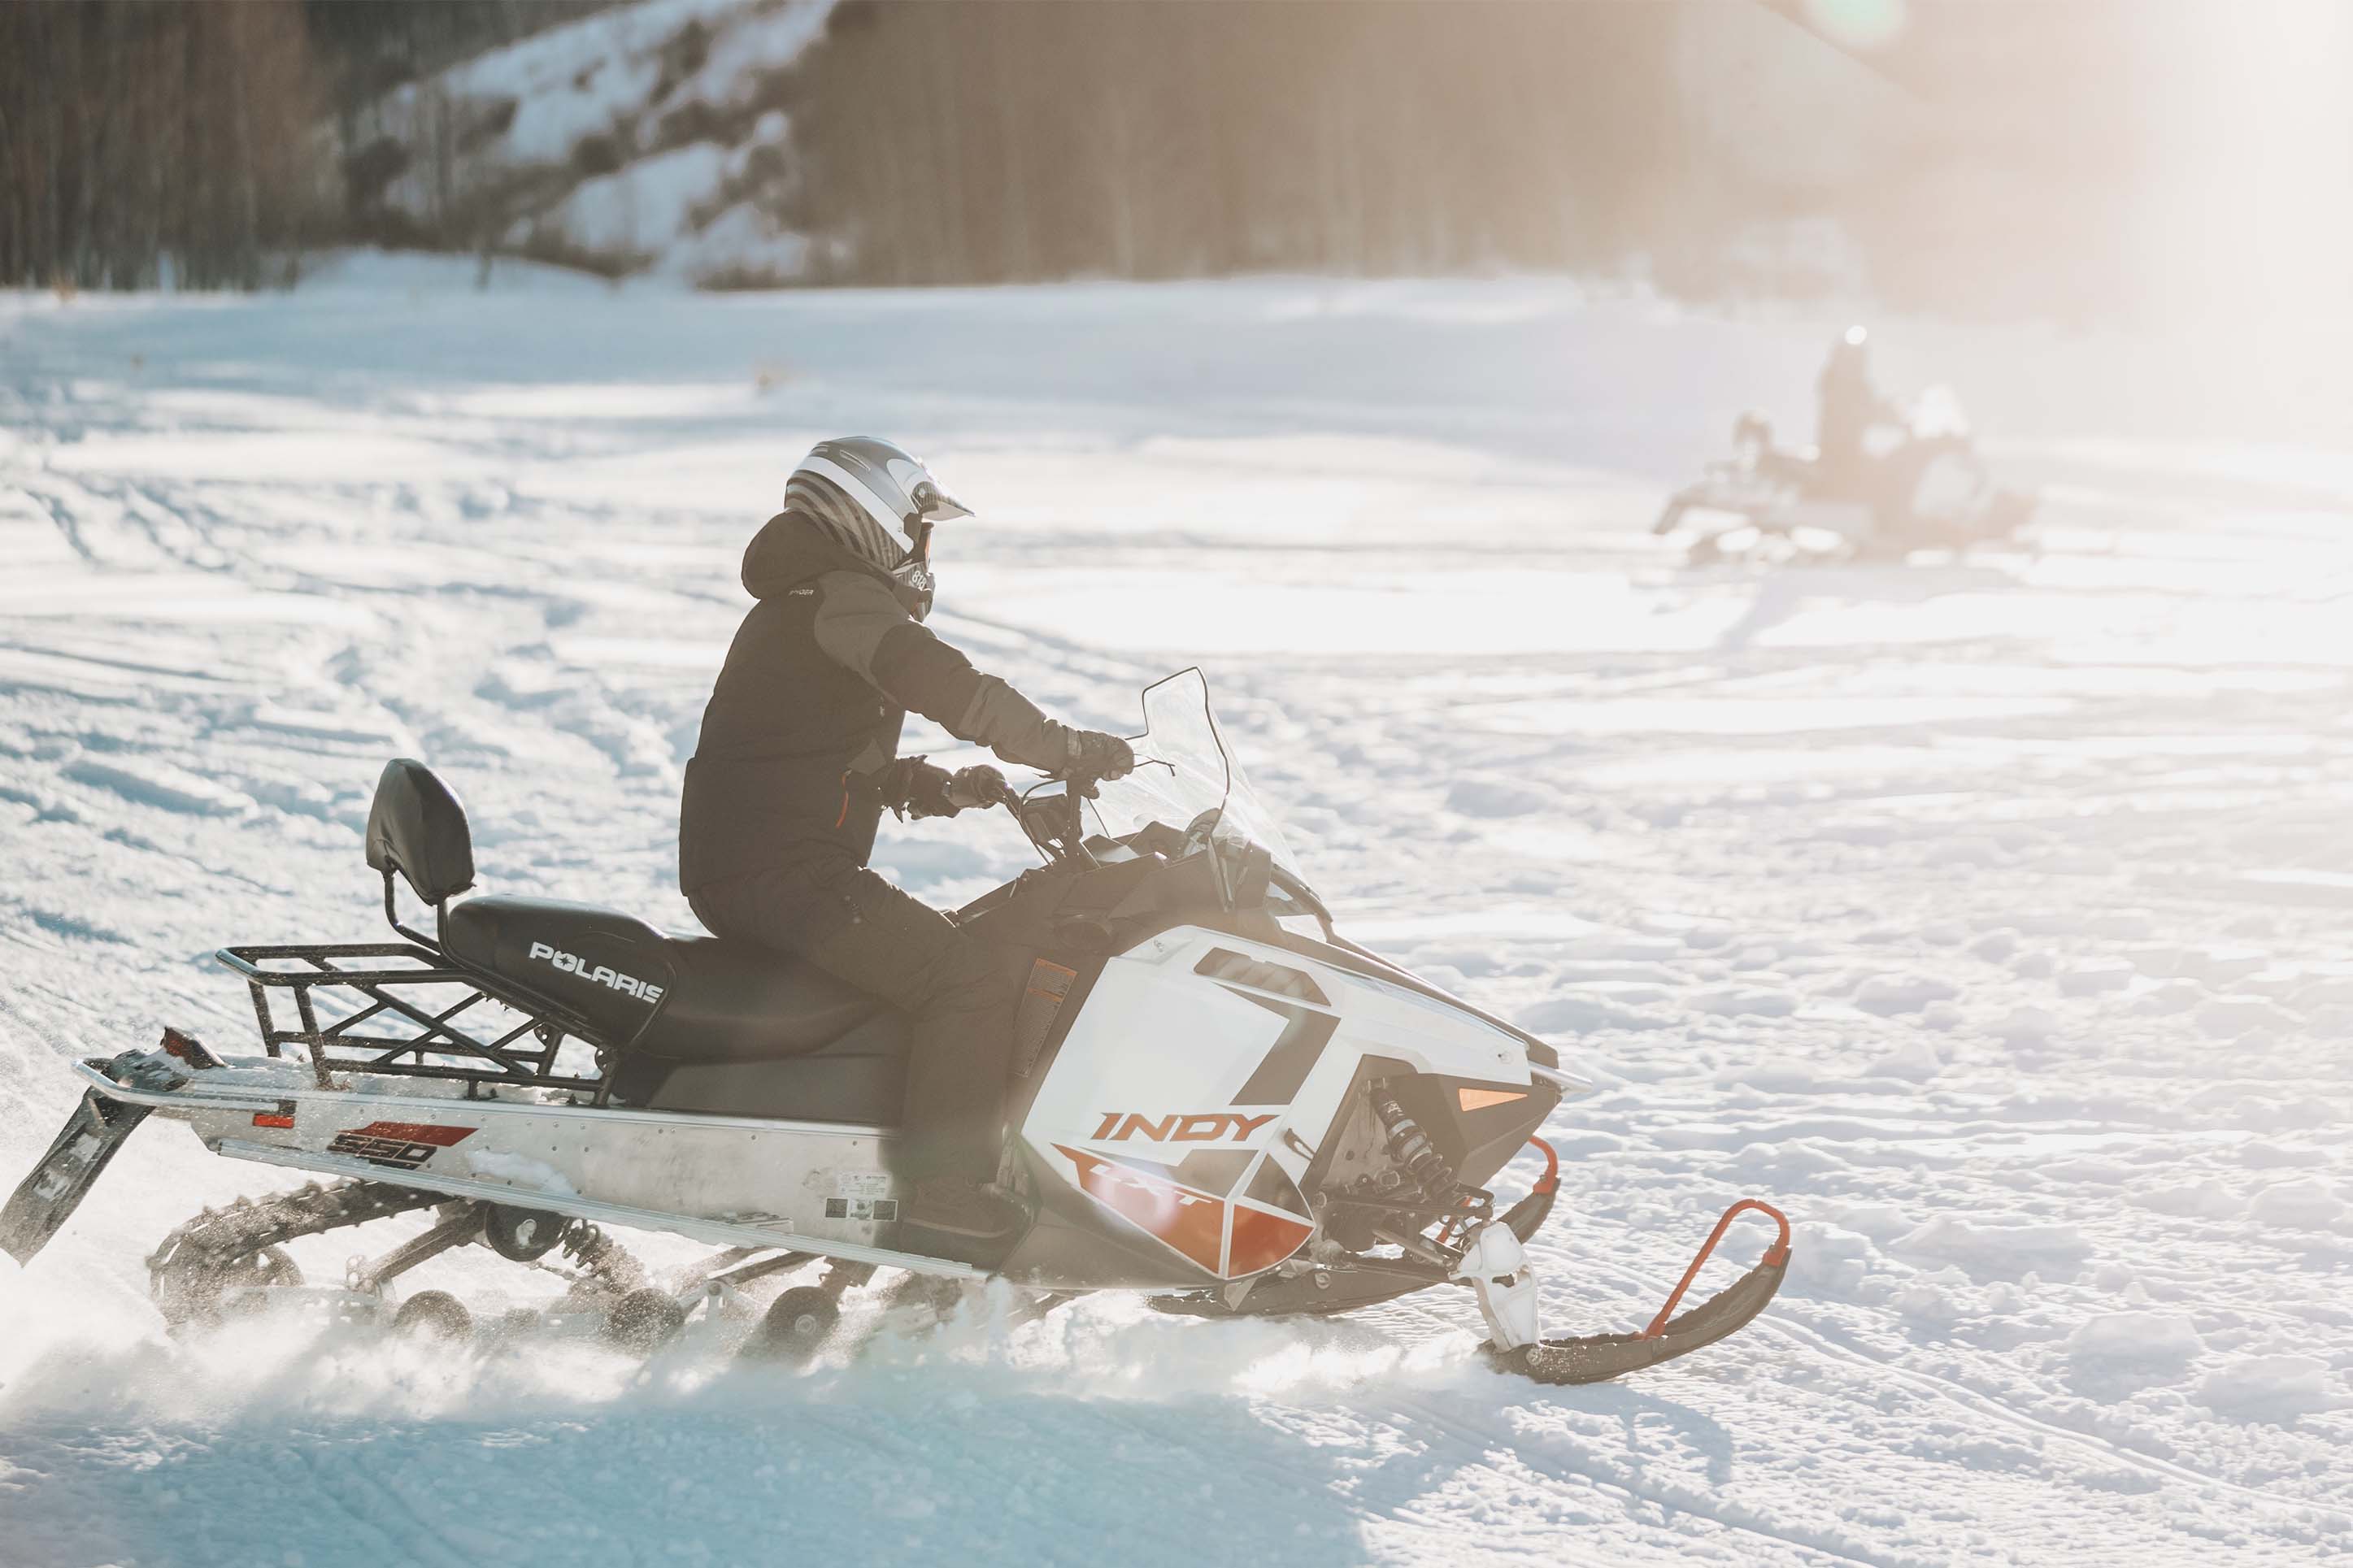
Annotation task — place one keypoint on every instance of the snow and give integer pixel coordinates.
(609, 82)
(742, 240)
(2149, 1338)
(1892, 994)
(2307, 1205)
(643, 208)
(2268, 1387)
(1988, 916)
(573, 59)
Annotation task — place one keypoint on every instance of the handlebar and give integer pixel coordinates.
(1055, 825)
(1055, 839)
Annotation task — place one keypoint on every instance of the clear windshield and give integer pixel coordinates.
(1188, 778)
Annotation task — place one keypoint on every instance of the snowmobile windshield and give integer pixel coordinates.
(1188, 778)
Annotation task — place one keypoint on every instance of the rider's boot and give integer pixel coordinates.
(966, 1211)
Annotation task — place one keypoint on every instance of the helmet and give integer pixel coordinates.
(868, 494)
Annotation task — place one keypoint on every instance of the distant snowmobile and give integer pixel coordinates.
(1922, 487)
(1211, 1107)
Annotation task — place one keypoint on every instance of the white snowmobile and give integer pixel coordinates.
(1217, 1101)
(1924, 487)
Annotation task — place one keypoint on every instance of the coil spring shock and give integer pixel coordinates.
(1411, 1148)
(604, 1263)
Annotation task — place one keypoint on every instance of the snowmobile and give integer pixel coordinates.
(1217, 1101)
(1922, 487)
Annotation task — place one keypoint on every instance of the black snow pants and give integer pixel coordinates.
(856, 926)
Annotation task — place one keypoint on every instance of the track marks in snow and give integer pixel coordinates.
(148, 781)
(1990, 916)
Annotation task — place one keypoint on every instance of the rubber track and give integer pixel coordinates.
(218, 1239)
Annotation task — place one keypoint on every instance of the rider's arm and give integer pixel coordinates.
(864, 628)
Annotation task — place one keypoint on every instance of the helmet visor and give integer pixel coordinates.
(901, 496)
(933, 504)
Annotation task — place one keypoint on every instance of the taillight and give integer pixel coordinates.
(189, 1048)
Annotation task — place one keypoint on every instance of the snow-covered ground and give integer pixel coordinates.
(1992, 917)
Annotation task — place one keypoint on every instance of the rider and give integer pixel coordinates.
(1849, 405)
(798, 759)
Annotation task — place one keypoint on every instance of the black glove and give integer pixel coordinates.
(913, 788)
(1098, 755)
(979, 786)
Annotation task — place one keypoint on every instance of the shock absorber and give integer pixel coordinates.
(1411, 1148)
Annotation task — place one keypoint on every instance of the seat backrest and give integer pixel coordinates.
(416, 828)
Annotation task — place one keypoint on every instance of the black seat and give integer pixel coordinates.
(734, 1029)
(700, 1025)
(721, 1001)
(735, 1001)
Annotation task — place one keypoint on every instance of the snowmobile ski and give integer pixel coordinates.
(1597, 1358)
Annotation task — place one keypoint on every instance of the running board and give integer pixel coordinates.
(718, 1233)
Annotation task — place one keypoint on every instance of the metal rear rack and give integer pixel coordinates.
(405, 984)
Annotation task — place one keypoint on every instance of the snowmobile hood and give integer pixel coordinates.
(789, 550)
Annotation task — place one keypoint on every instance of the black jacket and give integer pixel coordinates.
(1847, 406)
(808, 708)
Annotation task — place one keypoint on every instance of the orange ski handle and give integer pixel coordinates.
(1775, 1256)
(1550, 1180)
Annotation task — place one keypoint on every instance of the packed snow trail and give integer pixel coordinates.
(1991, 917)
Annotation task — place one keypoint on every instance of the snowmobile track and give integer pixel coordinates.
(1984, 1404)
(1682, 1500)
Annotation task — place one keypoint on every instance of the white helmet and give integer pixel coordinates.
(868, 494)
(889, 491)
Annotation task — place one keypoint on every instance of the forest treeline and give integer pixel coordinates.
(194, 141)
(133, 130)
(949, 142)
(933, 141)
(206, 143)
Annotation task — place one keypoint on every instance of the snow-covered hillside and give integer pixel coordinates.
(633, 139)
(1990, 917)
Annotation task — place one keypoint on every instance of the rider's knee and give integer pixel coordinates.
(960, 980)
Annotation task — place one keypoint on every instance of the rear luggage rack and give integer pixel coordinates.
(404, 984)
(416, 831)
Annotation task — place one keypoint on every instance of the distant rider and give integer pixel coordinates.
(1848, 406)
(798, 759)
(1753, 452)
